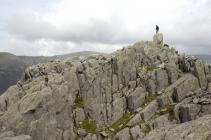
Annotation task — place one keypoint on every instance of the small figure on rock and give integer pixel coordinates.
(157, 29)
(46, 79)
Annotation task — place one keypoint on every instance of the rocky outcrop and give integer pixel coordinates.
(132, 93)
(195, 130)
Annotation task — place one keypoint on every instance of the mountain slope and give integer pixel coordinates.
(145, 91)
(205, 58)
(12, 67)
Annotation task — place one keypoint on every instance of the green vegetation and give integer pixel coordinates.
(140, 123)
(119, 124)
(78, 102)
(146, 129)
(167, 109)
(149, 98)
(149, 69)
(88, 125)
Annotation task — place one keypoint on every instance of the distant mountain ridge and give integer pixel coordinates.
(12, 66)
(206, 58)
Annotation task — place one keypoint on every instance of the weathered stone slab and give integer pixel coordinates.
(149, 110)
(136, 99)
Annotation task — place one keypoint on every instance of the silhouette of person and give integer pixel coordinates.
(157, 29)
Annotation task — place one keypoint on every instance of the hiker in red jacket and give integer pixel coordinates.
(46, 79)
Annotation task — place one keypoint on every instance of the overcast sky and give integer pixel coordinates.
(50, 27)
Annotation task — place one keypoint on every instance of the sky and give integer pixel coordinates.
(53, 27)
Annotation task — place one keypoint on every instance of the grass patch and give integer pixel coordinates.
(150, 69)
(146, 129)
(119, 124)
(167, 109)
(149, 98)
(78, 102)
(88, 125)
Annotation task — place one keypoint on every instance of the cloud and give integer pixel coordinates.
(46, 47)
(76, 25)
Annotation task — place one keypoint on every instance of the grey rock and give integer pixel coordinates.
(118, 108)
(158, 39)
(7, 134)
(208, 78)
(136, 99)
(190, 83)
(124, 134)
(136, 119)
(151, 86)
(136, 133)
(196, 129)
(172, 72)
(149, 110)
(205, 109)
(132, 85)
(161, 79)
(187, 112)
(114, 83)
(200, 74)
(81, 132)
(161, 121)
(90, 137)
(20, 137)
(79, 115)
(109, 86)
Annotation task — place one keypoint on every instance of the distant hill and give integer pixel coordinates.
(206, 58)
(12, 66)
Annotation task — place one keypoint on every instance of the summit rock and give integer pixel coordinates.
(143, 91)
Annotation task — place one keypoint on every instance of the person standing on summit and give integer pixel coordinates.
(157, 29)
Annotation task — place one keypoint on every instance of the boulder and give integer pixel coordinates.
(151, 86)
(161, 79)
(118, 108)
(196, 129)
(187, 112)
(136, 99)
(205, 109)
(187, 83)
(30, 102)
(124, 134)
(136, 133)
(81, 132)
(199, 72)
(172, 72)
(158, 39)
(161, 121)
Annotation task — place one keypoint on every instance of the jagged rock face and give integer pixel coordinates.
(195, 130)
(123, 95)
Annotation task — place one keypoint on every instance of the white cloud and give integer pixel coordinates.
(46, 47)
(77, 25)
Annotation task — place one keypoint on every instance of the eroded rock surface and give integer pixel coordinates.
(144, 91)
